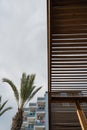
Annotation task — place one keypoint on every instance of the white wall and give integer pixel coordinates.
(46, 117)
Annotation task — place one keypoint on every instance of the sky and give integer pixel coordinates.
(23, 48)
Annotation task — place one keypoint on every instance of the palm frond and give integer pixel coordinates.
(2, 111)
(27, 88)
(2, 106)
(6, 109)
(23, 85)
(31, 80)
(14, 88)
(23, 88)
(33, 93)
(29, 91)
(26, 85)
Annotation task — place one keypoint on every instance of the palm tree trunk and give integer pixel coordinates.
(17, 120)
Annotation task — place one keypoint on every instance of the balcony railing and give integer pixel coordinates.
(25, 109)
(40, 98)
(40, 109)
(29, 128)
(31, 115)
(40, 123)
(32, 104)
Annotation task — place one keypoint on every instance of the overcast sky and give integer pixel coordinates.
(23, 48)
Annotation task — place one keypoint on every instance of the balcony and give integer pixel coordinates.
(40, 99)
(40, 123)
(29, 127)
(32, 105)
(31, 114)
(25, 113)
(41, 109)
(25, 109)
(24, 123)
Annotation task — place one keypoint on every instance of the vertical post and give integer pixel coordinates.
(49, 62)
(48, 43)
(81, 116)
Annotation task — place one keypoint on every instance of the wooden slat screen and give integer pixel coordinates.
(64, 117)
(68, 45)
(67, 61)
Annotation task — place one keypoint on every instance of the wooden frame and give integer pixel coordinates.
(57, 34)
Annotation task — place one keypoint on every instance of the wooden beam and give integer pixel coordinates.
(81, 116)
(57, 99)
(49, 59)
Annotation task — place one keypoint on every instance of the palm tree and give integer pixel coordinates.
(2, 110)
(27, 92)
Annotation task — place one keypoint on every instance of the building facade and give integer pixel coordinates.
(36, 115)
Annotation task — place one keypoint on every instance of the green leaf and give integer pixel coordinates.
(2, 106)
(34, 93)
(6, 109)
(27, 88)
(14, 88)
